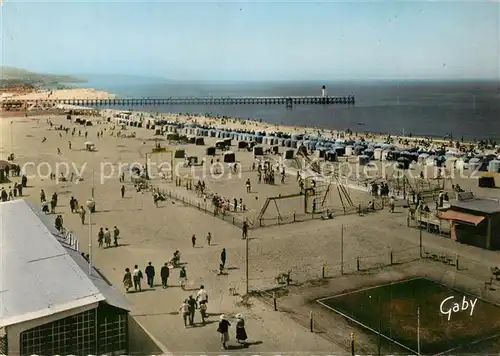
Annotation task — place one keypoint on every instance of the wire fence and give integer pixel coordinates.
(208, 208)
(479, 277)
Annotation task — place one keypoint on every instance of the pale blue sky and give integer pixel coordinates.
(255, 40)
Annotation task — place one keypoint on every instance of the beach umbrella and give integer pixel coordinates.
(88, 143)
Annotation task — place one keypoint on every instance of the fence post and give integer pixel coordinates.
(199, 206)
(311, 323)
(278, 218)
(357, 263)
(233, 220)
(288, 278)
(391, 255)
(323, 271)
(352, 344)
(260, 222)
(274, 302)
(294, 216)
(456, 262)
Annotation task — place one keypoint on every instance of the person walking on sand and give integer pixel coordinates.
(107, 238)
(116, 234)
(248, 185)
(223, 330)
(193, 240)
(100, 237)
(192, 309)
(184, 309)
(203, 311)
(209, 239)
(392, 204)
(244, 230)
(82, 214)
(241, 334)
(164, 274)
(127, 279)
(137, 276)
(223, 258)
(182, 277)
(202, 295)
(150, 274)
(122, 189)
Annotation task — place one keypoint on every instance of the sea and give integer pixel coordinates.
(456, 109)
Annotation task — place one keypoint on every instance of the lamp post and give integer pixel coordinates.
(89, 206)
(246, 264)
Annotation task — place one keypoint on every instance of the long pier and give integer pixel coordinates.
(289, 101)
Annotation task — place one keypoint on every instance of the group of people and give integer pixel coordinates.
(133, 279)
(104, 237)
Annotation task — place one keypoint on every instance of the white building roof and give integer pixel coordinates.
(39, 274)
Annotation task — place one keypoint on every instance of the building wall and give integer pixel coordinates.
(96, 329)
(495, 232)
(14, 331)
(140, 341)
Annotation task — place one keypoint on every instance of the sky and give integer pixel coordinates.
(266, 40)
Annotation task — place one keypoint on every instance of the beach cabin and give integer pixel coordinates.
(320, 152)
(220, 144)
(349, 150)
(302, 150)
(494, 166)
(191, 139)
(363, 160)
(180, 154)
(385, 153)
(393, 155)
(228, 142)
(403, 163)
(331, 156)
(242, 145)
(210, 151)
(229, 157)
(368, 152)
(339, 150)
(288, 154)
(377, 154)
(274, 150)
(258, 151)
(358, 150)
(200, 141)
(422, 158)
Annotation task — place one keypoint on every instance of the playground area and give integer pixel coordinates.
(282, 202)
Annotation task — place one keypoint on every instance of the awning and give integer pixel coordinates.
(464, 217)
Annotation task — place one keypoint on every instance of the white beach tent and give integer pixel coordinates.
(422, 158)
(377, 154)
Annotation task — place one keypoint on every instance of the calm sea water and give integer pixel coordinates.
(462, 109)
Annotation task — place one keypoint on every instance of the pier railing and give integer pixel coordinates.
(250, 100)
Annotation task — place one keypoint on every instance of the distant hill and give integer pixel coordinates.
(12, 74)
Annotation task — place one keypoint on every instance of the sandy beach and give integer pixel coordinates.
(65, 94)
